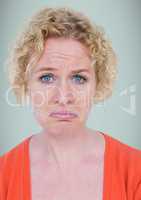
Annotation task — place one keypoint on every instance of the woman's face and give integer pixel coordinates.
(63, 80)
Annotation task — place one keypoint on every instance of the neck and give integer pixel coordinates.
(65, 145)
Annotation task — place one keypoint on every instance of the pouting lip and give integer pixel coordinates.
(63, 114)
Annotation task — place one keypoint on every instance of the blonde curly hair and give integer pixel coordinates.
(62, 22)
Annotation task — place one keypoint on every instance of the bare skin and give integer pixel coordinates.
(76, 174)
(66, 157)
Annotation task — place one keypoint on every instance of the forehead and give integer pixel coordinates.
(61, 52)
(66, 45)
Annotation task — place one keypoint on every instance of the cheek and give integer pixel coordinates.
(37, 98)
(37, 95)
(41, 98)
(86, 95)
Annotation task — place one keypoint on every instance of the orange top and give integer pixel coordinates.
(122, 172)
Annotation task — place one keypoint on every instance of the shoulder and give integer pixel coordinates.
(126, 160)
(129, 153)
(11, 158)
(10, 167)
(12, 152)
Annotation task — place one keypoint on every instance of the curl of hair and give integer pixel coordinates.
(67, 23)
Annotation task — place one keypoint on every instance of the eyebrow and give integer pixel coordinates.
(54, 69)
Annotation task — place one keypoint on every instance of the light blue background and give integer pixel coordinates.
(116, 117)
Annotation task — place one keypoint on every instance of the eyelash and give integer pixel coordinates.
(85, 79)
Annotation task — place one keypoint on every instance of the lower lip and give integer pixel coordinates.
(63, 116)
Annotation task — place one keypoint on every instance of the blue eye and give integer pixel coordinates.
(80, 79)
(49, 78)
(46, 78)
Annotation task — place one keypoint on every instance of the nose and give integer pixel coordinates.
(65, 93)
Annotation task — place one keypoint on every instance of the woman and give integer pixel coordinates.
(64, 64)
